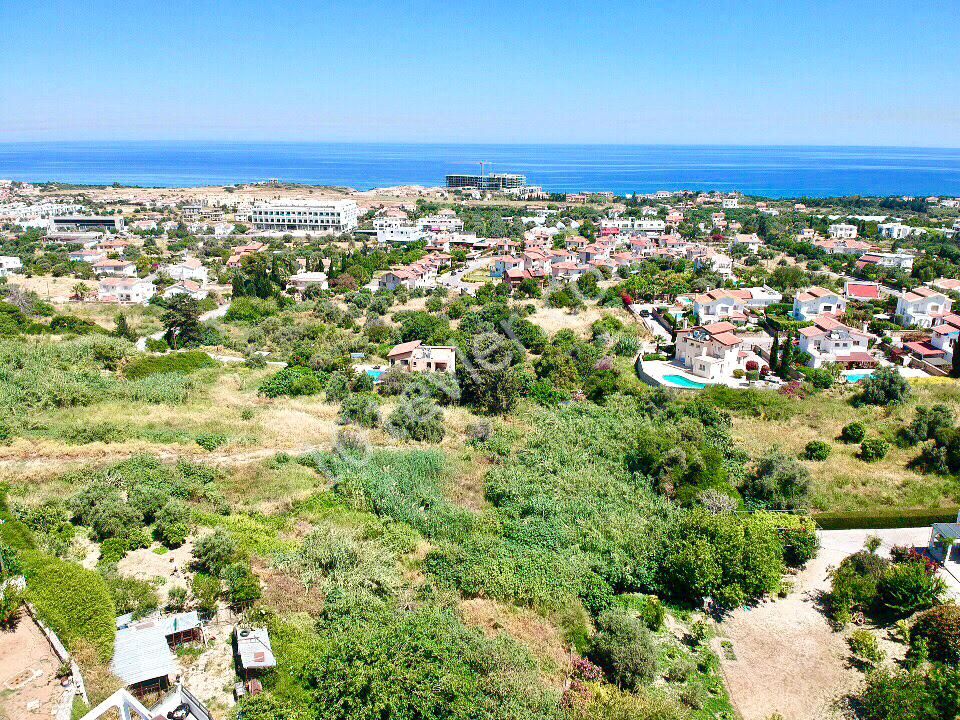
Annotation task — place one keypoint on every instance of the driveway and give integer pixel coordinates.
(789, 660)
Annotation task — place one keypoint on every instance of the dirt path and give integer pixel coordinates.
(788, 658)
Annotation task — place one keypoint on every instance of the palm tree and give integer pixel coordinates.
(80, 291)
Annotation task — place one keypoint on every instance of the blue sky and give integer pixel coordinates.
(780, 72)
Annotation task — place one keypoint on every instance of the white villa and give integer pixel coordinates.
(186, 287)
(709, 351)
(9, 265)
(816, 301)
(125, 290)
(829, 340)
(116, 268)
(414, 356)
(187, 269)
(922, 306)
(843, 231)
(304, 280)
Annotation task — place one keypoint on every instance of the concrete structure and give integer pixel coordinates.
(922, 306)
(186, 287)
(305, 215)
(829, 340)
(187, 269)
(125, 290)
(9, 265)
(304, 280)
(893, 261)
(894, 231)
(115, 268)
(843, 231)
(444, 221)
(88, 222)
(414, 356)
(861, 291)
(393, 229)
(816, 301)
(495, 182)
(253, 651)
(142, 650)
(709, 351)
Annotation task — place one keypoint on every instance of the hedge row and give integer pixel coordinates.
(885, 519)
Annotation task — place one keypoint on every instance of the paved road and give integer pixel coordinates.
(454, 281)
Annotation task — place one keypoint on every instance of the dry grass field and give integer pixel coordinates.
(843, 482)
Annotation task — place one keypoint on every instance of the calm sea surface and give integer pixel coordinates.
(769, 171)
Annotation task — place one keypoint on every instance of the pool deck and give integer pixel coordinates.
(657, 370)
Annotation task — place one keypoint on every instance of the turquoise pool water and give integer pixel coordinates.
(856, 377)
(375, 374)
(681, 381)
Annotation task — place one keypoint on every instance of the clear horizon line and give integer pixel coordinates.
(465, 143)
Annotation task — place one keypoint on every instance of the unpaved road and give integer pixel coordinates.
(788, 658)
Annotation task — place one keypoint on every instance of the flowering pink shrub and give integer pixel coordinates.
(585, 670)
(576, 696)
(793, 390)
(627, 300)
(752, 366)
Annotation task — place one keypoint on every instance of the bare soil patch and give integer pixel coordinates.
(28, 668)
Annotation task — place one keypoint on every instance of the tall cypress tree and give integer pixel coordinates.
(787, 354)
(775, 354)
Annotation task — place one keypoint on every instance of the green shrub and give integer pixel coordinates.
(74, 602)
(854, 583)
(624, 648)
(293, 381)
(865, 647)
(206, 591)
(338, 387)
(648, 608)
(104, 432)
(873, 449)
(908, 587)
(245, 309)
(183, 362)
(885, 386)
(853, 432)
(779, 482)
(213, 553)
(416, 418)
(939, 629)
(910, 694)
(360, 409)
(243, 587)
(817, 450)
(927, 424)
(173, 524)
(131, 595)
(798, 536)
(211, 441)
(156, 345)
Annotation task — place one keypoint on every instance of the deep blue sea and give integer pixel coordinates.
(770, 171)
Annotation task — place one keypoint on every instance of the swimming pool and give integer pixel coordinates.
(681, 381)
(855, 377)
(375, 374)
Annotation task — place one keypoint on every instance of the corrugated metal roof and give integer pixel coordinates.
(141, 653)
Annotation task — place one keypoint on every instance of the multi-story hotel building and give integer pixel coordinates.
(316, 215)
